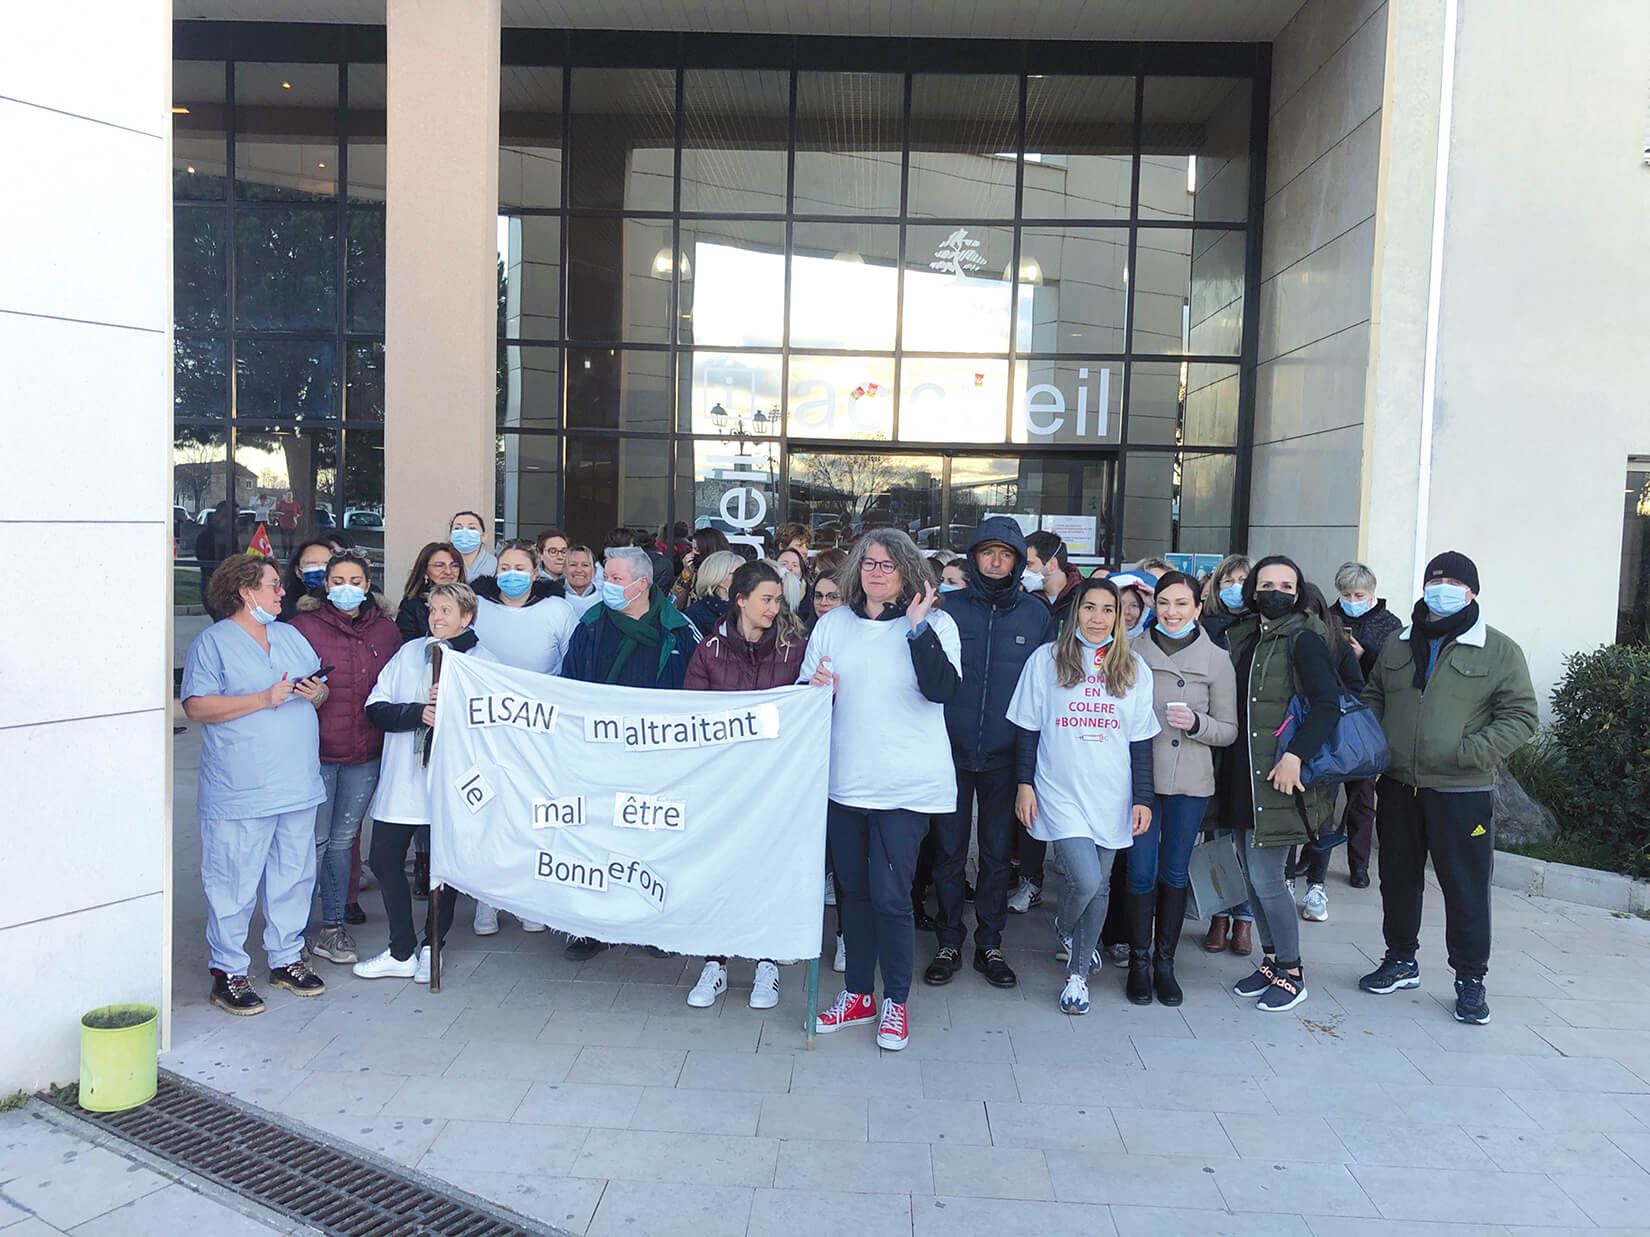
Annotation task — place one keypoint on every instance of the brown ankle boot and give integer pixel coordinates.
(1243, 937)
(1215, 942)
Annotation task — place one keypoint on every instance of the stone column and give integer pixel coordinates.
(440, 270)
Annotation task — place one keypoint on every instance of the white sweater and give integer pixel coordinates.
(531, 637)
(889, 746)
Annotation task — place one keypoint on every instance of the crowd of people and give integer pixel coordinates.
(998, 702)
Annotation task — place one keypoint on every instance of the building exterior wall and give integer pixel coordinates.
(1318, 256)
(85, 347)
(1544, 328)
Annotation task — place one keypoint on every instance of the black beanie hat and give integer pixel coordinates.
(1456, 566)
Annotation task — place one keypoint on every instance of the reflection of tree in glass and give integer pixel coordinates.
(853, 484)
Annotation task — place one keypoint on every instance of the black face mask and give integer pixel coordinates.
(1274, 605)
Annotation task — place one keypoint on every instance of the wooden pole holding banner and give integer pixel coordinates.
(432, 929)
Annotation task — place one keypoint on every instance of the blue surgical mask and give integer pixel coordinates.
(1355, 609)
(514, 583)
(313, 577)
(1445, 599)
(1139, 629)
(952, 588)
(1232, 596)
(466, 540)
(1089, 644)
(613, 595)
(262, 615)
(346, 597)
(1182, 634)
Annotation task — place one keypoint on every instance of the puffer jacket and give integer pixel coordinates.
(727, 662)
(1273, 662)
(357, 649)
(1000, 625)
(1371, 630)
(1200, 676)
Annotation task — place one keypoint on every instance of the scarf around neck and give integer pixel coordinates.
(649, 631)
(1428, 629)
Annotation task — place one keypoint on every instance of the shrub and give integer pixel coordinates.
(1601, 725)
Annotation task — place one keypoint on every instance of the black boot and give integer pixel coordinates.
(1171, 913)
(1138, 909)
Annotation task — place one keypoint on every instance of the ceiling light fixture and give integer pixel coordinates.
(1031, 271)
(664, 266)
(286, 85)
(180, 111)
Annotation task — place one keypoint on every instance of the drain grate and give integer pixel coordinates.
(327, 1187)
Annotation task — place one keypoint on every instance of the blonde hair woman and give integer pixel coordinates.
(708, 602)
(1084, 764)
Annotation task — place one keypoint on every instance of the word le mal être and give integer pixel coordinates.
(684, 730)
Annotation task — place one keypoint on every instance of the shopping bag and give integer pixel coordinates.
(1215, 877)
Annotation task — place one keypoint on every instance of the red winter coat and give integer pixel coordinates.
(356, 649)
(726, 662)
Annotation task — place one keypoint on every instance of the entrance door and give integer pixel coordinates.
(840, 494)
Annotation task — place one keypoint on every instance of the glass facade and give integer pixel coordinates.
(1633, 610)
(743, 281)
(278, 295)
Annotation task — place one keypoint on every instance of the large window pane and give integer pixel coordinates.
(1195, 149)
(957, 293)
(199, 287)
(529, 121)
(286, 131)
(1157, 402)
(840, 494)
(733, 140)
(363, 492)
(609, 388)
(848, 143)
(1068, 401)
(285, 380)
(200, 379)
(1205, 514)
(1633, 610)
(529, 256)
(364, 270)
(286, 268)
(1073, 291)
(841, 397)
(531, 484)
(844, 286)
(1070, 497)
(964, 132)
(275, 466)
(614, 481)
(1188, 291)
(727, 484)
(364, 383)
(622, 138)
(618, 279)
(733, 394)
(953, 399)
(1079, 147)
(1148, 505)
(364, 132)
(736, 298)
(200, 144)
(1211, 406)
(529, 384)
(200, 480)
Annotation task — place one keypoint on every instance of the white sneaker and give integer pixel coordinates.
(386, 966)
(1316, 906)
(486, 922)
(830, 890)
(713, 982)
(1025, 896)
(765, 991)
(532, 925)
(840, 963)
(1075, 997)
(422, 974)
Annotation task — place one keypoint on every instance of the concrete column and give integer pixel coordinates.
(440, 270)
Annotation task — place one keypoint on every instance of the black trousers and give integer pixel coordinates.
(388, 861)
(995, 790)
(1457, 831)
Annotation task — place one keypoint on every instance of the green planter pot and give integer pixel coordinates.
(119, 1050)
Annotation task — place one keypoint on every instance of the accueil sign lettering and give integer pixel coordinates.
(609, 811)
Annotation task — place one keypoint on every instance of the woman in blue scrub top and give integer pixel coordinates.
(253, 685)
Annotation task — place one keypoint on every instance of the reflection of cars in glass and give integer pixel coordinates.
(363, 519)
(323, 518)
(956, 537)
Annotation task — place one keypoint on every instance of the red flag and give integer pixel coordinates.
(260, 543)
(979, 380)
(870, 388)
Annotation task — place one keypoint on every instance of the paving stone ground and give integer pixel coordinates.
(588, 1096)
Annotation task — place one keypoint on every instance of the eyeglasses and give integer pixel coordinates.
(871, 566)
(550, 550)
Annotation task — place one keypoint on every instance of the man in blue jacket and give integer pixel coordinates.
(1000, 625)
(635, 639)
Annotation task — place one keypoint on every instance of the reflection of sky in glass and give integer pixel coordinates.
(738, 295)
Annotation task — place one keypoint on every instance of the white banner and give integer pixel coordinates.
(694, 821)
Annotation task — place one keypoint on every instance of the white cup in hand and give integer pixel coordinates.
(1179, 714)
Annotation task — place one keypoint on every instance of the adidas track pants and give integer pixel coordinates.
(1456, 830)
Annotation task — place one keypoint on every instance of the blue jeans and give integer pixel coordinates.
(1176, 820)
(1087, 893)
(349, 794)
(875, 856)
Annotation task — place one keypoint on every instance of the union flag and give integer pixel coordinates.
(260, 543)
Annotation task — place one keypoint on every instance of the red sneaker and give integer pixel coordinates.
(893, 1034)
(852, 1009)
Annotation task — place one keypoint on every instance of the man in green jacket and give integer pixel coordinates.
(1454, 697)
